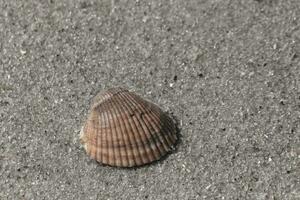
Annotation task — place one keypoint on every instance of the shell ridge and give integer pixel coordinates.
(161, 152)
(143, 130)
(110, 147)
(114, 111)
(134, 127)
(89, 150)
(106, 159)
(151, 138)
(171, 128)
(97, 138)
(152, 121)
(153, 109)
(164, 132)
(125, 130)
(160, 128)
(92, 147)
(84, 136)
(129, 129)
(101, 137)
(167, 128)
(107, 95)
(102, 98)
(117, 152)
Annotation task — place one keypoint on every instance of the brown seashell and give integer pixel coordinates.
(125, 130)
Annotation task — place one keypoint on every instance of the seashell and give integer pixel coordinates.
(126, 130)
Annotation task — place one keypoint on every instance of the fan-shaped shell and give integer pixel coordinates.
(125, 130)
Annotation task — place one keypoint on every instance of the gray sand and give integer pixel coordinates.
(229, 71)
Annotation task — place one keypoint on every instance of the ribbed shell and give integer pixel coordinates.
(125, 130)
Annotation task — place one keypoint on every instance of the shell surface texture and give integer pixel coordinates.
(125, 130)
